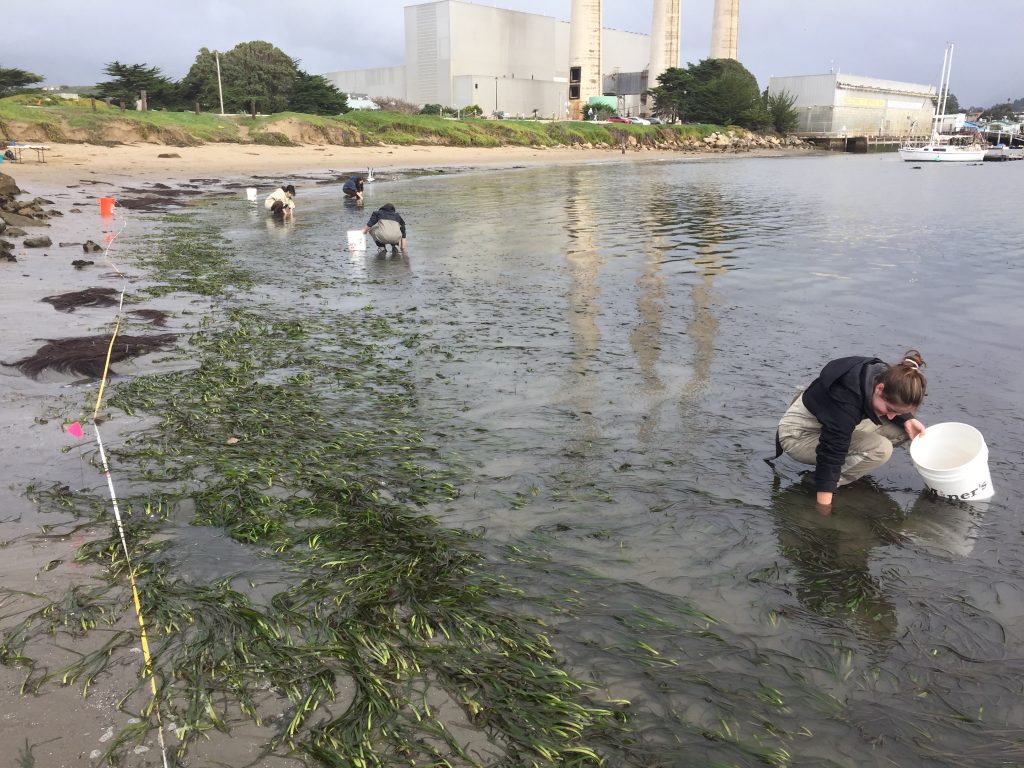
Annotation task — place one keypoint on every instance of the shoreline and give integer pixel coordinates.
(126, 164)
(38, 449)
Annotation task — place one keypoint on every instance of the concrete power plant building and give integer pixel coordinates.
(629, 87)
(460, 53)
(584, 55)
(585, 35)
(725, 30)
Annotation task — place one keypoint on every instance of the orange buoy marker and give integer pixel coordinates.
(107, 207)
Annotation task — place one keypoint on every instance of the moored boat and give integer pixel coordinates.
(935, 151)
(944, 149)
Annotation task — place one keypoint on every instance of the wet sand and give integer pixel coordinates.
(131, 163)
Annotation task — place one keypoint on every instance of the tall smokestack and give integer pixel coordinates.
(584, 55)
(725, 30)
(664, 40)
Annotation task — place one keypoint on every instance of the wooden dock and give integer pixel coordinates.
(1004, 153)
(862, 144)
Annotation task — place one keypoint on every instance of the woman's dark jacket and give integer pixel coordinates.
(840, 398)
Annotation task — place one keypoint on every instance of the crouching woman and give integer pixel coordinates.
(849, 418)
(387, 227)
(280, 202)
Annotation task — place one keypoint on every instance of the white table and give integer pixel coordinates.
(19, 148)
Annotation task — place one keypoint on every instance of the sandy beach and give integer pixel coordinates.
(132, 163)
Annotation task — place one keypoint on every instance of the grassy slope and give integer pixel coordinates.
(36, 118)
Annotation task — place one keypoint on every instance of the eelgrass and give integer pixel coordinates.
(374, 637)
(25, 757)
(297, 437)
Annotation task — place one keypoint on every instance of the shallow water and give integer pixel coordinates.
(621, 340)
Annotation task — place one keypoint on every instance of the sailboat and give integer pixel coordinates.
(941, 149)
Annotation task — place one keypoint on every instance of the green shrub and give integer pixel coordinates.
(270, 138)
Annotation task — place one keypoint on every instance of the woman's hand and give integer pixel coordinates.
(914, 428)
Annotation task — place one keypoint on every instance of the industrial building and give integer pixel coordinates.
(458, 54)
(629, 87)
(839, 105)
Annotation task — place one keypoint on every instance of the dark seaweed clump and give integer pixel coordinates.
(89, 297)
(152, 316)
(85, 355)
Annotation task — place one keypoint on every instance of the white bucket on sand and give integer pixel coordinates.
(250, 194)
(356, 240)
(952, 458)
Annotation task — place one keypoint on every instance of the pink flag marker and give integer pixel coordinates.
(75, 429)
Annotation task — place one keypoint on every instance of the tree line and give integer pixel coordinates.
(255, 76)
(721, 92)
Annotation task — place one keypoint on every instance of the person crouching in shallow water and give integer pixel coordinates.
(353, 189)
(279, 202)
(850, 417)
(387, 227)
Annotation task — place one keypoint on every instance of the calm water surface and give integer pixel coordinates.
(622, 340)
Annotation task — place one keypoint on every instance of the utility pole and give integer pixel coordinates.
(220, 89)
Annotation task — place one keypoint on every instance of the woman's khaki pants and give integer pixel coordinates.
(870, 445)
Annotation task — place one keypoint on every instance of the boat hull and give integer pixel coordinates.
(942, 154)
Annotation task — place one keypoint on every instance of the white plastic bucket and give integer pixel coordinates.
(952, 458)
(356, 240)
(250, 194)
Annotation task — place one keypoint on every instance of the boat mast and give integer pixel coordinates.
(947, 70)
(940, 102)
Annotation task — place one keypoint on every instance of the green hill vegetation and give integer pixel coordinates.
(40, 117)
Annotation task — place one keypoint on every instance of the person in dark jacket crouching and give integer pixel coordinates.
(387, 227)
(850, 417)
(353, 188)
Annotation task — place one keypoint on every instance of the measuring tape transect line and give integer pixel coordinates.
(148, 670)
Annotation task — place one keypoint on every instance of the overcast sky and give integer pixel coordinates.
(69, 41)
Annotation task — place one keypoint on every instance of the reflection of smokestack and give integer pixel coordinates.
(584, 54)
(664, 39)
(725, 30)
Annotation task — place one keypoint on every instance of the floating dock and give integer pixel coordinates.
(865, 144)
(996, 154)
